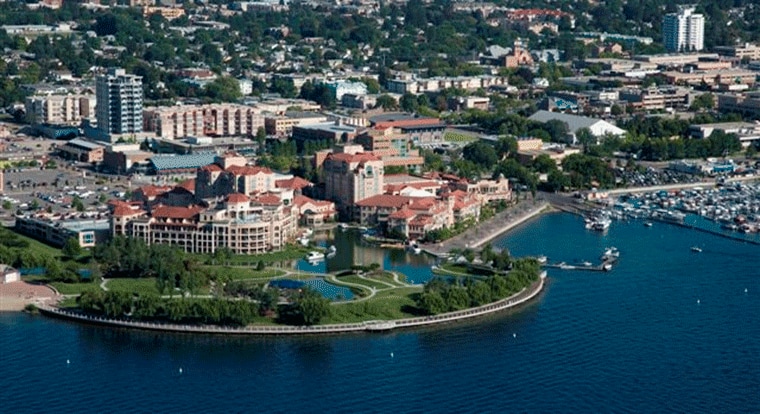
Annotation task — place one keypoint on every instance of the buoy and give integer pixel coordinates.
(180, 370)
(68, 362)
(391, 354)
(697, 301)
(514, 335)
(745, 290)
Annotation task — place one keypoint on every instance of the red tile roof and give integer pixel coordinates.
(267, 199)
(248, 170)
(384, 200)
(295, 183)
(403, 214)
(351, 158)
(151, 191)
(237, 198)
(123, 209)
(303, 200)
(212, 168)
(188, 185)
(176, 212)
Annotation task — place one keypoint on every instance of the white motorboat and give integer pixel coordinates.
(315, 256)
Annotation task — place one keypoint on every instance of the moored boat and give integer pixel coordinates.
(315, 256)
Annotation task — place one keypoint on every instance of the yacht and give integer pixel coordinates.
(414, 247)
(315, 256)
(331, 251)
(648, 224)
(343, 226)
(601, 224)
(696, 249)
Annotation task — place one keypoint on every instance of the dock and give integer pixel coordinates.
(608, 260)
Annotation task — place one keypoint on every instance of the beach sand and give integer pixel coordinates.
(14, 296)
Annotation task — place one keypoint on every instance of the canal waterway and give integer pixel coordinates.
(667, 330)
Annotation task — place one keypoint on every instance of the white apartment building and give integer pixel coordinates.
(119, 100)
(684, 30)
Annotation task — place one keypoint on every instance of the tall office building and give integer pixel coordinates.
(119, 102)
(683, 31)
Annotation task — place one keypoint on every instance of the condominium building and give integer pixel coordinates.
(230, 174)
(219, 120)
(119, 100)
(392, 145)
(350, 177)
(683, 30)
(238, 223)
(60, 109)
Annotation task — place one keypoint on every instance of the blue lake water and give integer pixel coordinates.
(668, 330)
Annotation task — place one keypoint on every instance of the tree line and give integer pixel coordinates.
(446, 295)
(172, 267)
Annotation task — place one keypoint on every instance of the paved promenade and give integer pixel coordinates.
(475, 237)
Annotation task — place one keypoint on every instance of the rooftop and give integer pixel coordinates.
(190, 161)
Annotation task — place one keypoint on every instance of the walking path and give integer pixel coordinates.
(482, 233)
(371, 326)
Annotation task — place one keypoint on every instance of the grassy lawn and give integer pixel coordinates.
(134, 285)
(385, 277)
(291, 252)
(458, 137)
(68, 303)
(73, 288)
(241, 273)
(35, 246)
(391, 306)
(359, 281)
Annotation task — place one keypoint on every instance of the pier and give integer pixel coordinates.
(609, 258)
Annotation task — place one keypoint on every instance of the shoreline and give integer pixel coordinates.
(513, 301)
(483, 233)
(15, 296)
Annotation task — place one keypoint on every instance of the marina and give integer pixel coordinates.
(730, 210)
(608, 259)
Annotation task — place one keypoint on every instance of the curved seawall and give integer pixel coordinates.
(369, 326)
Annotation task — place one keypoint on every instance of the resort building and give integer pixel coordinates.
(350, 177)
(231, 174)
(487, 191)
(394, 147)
(236, 223)
(314, 212)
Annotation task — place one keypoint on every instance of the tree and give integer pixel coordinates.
(71, 248)
(506, 146)
(544, 164)
(77, 204)
(431, 303)
(386, 102)
(223, 89)
(312, 307)
(409, 103)
(261, 137)
(480, 153)
(557, 129)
